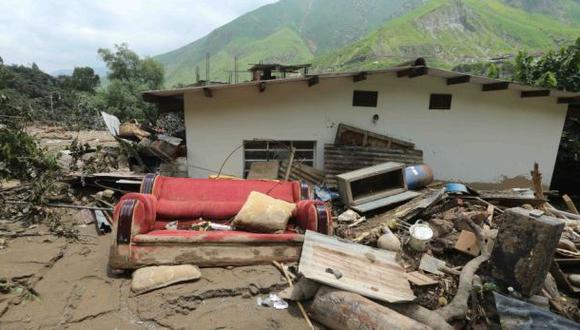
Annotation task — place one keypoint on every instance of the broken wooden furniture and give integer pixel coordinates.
(373, 187)
(141, 218)
(344, 158)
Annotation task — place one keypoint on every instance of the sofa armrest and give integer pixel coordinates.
(314, 215)
(134, 214)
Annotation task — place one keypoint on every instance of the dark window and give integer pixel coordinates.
(263, 151)
(365, 99)
(440, 102)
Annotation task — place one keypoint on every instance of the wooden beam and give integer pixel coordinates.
(313, 80)
(412, 72)
(495, 86)
(417, 72)
(458, 80)
(359, 76)
(262, 86)
(207, 92)
(538, 93)
(569, 100)
(570, 204)
(403, 73)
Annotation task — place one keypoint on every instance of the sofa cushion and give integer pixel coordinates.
(263, 214)
(216, 210)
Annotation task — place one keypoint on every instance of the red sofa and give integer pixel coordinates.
(140, 220)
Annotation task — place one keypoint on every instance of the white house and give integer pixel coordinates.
(492, 131)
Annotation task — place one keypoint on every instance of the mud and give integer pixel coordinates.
(77, 291)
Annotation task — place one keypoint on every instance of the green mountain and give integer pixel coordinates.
(449, 32)
(341, 35)
(288, 31)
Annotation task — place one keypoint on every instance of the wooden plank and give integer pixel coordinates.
(207, 92)
(569, 100)
(538, 93)
(371, 272)
(303, 172)
(570, 204)
(467, 243)
(420, 279)
(386, 201)
(495, 86)
(354, 136)
(290, 161)
(458, 80)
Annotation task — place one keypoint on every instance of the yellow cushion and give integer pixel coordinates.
(263, 214)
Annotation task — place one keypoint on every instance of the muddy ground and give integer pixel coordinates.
(75, 291)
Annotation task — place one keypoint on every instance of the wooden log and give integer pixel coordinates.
(346, 310)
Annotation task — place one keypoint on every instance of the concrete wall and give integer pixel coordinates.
(485, 137)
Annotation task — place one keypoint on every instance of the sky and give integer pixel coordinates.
(61, 34)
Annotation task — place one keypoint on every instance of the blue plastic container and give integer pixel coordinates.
(418, 176)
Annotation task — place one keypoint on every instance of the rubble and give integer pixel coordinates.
(510, 243)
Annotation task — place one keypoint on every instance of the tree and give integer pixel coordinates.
(84, 79)
(556, 69)
(130, 75)
(561, 70)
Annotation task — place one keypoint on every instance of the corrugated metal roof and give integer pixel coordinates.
(473, 79)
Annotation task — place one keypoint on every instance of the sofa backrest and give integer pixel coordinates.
(188, 198)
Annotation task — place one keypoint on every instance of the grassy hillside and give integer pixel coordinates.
(447, 32)
(289, 31)
(563, 10)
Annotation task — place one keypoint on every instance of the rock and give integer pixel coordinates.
(524, 249)
(254, 290)
(388, 241)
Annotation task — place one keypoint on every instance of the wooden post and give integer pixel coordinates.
(537, 182)
(346, 310)
(282, 268)
(290, 162)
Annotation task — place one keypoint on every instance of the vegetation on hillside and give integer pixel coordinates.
(289, 31)
(449, 32)
(347, 35)
(76, 100)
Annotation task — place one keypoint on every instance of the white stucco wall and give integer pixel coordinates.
(485, 135)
